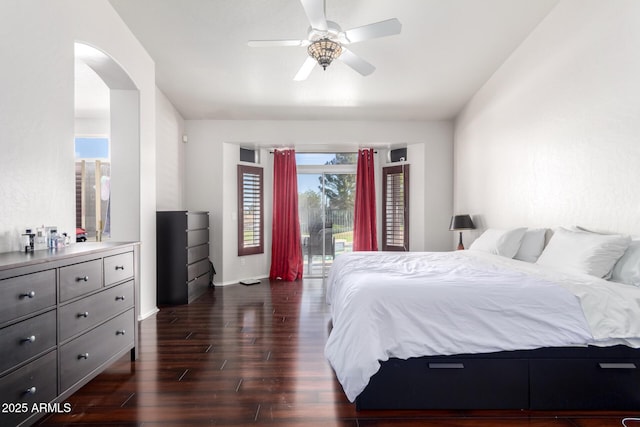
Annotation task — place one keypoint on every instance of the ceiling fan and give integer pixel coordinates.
(326, 41)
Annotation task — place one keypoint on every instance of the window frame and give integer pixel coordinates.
(386, 172)
(255, 171)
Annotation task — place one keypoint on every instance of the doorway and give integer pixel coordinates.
(326, 196)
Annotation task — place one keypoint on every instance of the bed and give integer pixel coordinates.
(477, 330)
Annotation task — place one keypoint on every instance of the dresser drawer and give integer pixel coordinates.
(26, 339)
(88, 312)
(197, 237)
(118, 268)
(34, 383)
(26, 294)
(197, 253)
(574, 382)
(197, 269)
(78, 279)
(84, 354)
(197, 220)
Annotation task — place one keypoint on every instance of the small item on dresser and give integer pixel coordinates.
(28, 241)
(52, 237)
(41, 238)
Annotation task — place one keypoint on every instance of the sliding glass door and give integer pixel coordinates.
(326, 195)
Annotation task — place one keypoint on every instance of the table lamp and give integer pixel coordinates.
(459, 223)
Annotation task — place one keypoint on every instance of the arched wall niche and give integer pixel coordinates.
(124, 134)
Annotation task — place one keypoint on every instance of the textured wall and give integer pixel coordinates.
(169, 155)
(37, 120)
(552, 138)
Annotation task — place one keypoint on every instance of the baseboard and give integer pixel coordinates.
(148, 314)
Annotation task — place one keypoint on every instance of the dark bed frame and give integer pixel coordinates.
(580, 378)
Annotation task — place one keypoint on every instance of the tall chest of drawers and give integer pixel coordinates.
(182, 256)
(64, 317)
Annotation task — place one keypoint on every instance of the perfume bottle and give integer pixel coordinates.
(52, 237)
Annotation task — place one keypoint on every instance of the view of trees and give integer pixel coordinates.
(339, 190)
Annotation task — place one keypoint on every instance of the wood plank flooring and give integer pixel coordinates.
(253, 355)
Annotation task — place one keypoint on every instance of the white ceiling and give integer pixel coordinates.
(447, 50)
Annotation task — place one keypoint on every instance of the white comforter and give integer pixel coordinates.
(386, 304)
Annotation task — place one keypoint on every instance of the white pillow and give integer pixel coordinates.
(499, 242)
(532, 245)
(627, 269)
(584, 252)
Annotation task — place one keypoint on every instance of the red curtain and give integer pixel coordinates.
(364, 223)
(286, 250)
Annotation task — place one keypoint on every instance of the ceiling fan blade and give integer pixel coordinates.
(305, 70)
(355, 62)
(277, 43)
(315, 13)
(389, 27)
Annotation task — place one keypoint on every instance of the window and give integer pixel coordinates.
(93, 177)
(307, 159)
(250, 211)
(395, 208)
(92, 148)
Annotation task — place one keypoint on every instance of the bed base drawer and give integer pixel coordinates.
(437, 383)
(594, 384)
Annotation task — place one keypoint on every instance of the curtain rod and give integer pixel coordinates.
(319, 152)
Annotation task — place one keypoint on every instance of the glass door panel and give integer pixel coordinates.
(325, 204)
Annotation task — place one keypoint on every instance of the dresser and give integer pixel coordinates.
(182, 252)
(65, 316)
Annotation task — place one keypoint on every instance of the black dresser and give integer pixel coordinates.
(184, 271)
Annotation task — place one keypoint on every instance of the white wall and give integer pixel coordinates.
(169, 155)
(92, 127)
(552, 138)
(37, 118)
(212, 156)
(36, 121)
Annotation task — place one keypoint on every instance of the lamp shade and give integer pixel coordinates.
(461, 222)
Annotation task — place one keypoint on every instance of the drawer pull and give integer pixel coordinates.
(30, 390)
(28, 295)
(120, 298)
(446, 365)
(617, 365)
(85, 314)
(82, 279)
(119, 267)
(121, 332)
(32, 338)
(83, 356)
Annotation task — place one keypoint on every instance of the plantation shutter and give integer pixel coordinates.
(395, 208)
(250, 210)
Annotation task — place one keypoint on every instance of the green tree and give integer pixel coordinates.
(340, 189)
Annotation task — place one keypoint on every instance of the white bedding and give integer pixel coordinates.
(386, 304)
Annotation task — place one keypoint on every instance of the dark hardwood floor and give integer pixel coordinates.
(253, 355)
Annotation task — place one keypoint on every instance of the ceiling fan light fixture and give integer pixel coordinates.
(324, 51)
